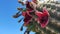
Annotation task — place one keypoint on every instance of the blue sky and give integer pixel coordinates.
(8, 24)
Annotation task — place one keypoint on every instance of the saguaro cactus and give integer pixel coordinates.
(42, 19)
